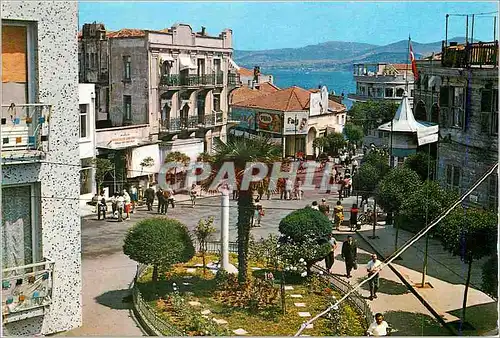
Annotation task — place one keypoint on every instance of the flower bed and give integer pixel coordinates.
(192, 300)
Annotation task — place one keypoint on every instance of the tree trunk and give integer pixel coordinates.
(155, 273)
(245, 212)
(467, 282)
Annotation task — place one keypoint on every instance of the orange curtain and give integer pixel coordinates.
(14, 58)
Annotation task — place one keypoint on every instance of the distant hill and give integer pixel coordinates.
(335, 54)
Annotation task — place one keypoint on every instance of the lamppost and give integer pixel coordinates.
(391, 158)
(295, 137)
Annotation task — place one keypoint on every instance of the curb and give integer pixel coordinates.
(412, 289)
(145, 325)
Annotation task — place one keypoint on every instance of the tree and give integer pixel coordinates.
(490, 276)
(160, 242)
(102, 167)
(366, 180)
(203, 231)
(370, 114)
(204, 157)
(378, 158)
(418, 162)
(240, 151)
(471, 234)
(304, 235)
(394, 188)
(179, 158)
(147, 162)
(330, 143)
(354, 133)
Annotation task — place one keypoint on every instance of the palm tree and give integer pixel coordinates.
(241, 151)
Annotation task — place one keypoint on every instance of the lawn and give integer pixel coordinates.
(258, 319)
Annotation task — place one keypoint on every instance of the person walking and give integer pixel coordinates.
(379, 327)
(314, 205)
(338, 215)
(161, 201)
(350, 254)
(298, 190)
(192, 194)
(169, 197)
(288, 189)
(324, 207)
(258, 213)
(341, 188)
(101, 209)
(354, 217)
(347, 186)
(128, 203)
(354, 165)
(373, 268)
(330, 258)
(120, 205)
(114, 201)
(150, 197)
(133, 198)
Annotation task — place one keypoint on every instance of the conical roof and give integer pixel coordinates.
(403, 120)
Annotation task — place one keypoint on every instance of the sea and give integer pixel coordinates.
(337, 81)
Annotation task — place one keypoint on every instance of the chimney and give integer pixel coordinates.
(203, 32)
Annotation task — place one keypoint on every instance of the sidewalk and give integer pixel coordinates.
(446, 275)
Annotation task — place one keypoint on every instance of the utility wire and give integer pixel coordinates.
(409, 243)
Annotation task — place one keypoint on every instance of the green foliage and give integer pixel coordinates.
(178, 157)
(418, 162)
(265, 250)
(379, 158)
(205, 157)
(353, 132)
(366, 179)
(203, 231)
(428, 197)
(160, 242)
(371, 114)
(102, 167)
(147, 162)
(490, 276)
(330, 143)
(395, 187)
(470, 233)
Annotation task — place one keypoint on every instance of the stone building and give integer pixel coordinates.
(458, 88)
(41, 249)
(166, 90)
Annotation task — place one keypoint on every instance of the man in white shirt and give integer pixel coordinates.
(128, 204)
(373, 268)
(378, 327)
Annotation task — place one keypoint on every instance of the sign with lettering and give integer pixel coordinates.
(269, 122)
(296, 123)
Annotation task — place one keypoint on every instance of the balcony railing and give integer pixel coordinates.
(26, 290)
(211, 119)
(219, 79)
(475, 54)
(192, 122)
(233, 79)
(25, 126)
(176, 80)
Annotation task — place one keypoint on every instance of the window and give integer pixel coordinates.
(217, 65)
(87, 60)
(389, 92)
(399, 92)
(127, 107)
(493, 192)
(86, 177)
(458, 105)
(379, 92)
(126, 66)
(338, 119)
(18, 62)
(84, 120)
(217, 102)
(412, 92)
(21, 232)
(489, 111)
(453, 176)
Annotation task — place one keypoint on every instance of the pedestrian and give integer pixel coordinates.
(373, 268)
(133, 198)
(288, 189)
(314, 205)
(128, 203)
(338, 215)
(161, 201)
(120, 205)
(281, 188)
(169, 196)
(349, 254)
(192, 194)
(354, 165)
(354, 217)
(258, 213)
(324, 207)
(330, 258)
(379, 327)
(150, 197)
(101, 209)
(347, 186)
(298, 190)
(341, 188)
(114, 201)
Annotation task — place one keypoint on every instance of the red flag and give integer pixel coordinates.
(413, 64)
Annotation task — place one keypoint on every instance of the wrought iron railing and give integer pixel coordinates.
(207, 79)
(24, 126)
(26, 289)
(474, 54)
(233, 79)
(219, 78)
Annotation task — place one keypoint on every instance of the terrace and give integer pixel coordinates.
(477, 55)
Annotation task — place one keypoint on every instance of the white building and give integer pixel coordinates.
(41, 256)
(88, 186)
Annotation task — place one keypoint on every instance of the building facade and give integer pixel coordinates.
(41, 272)
(382, 81)
(166, 91)
(293, 117)
(458, 89)
(86, 96)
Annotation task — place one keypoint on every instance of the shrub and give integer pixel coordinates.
(490, 276)
(160, 242)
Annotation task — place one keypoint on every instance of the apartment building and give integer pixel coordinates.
(88, 187)
(41, 272)
(382, 81)
(458, 88)
(166, 90)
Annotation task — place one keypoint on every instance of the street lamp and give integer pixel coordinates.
(391, 158)
(295, 138)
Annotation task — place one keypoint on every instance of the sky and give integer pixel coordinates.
(272, 25)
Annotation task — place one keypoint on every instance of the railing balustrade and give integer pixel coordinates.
(475, 54)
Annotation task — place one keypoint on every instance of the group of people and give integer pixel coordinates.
(338, 213)
(121, 202)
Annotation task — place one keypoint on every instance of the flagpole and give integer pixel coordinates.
(407, 61)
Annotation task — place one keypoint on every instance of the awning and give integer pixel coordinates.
(231, 61)
(166, 57)
(186, 63)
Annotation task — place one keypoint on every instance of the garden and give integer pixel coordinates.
(278, 293)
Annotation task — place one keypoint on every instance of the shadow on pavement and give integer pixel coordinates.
(414, 324)
(479, 319)
(116, 299)
(387, 286)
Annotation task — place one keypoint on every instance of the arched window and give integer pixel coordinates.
(435, 113)
(420, 111)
